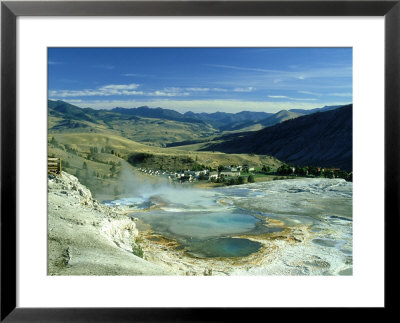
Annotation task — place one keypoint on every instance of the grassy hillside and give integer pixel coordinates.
(100, 161)
(86, 143)
(67, 118)
(279, 117)
(224, 121)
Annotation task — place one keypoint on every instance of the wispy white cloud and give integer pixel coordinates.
(185, 91)
(301, 99)
(246, 89)
(205, 89)
(131, 89)
(299, 74)
(198, 89)
(131, 86)
(341, 94)
(278, 96)
(290, 98)
(106, 90)
(309, 93)
(50, 62)
(119, 89)
(137, 75)
(72, 101)
(167, 93)
(242, 68)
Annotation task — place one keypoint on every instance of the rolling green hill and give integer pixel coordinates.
(67, 118)
(105, 163)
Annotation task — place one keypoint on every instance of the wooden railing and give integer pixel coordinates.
(54, 165)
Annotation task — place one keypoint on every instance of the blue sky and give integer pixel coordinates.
(201, 79)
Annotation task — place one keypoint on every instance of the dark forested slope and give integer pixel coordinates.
(319, 139)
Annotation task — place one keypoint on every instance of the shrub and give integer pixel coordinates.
(137, 158)
(284, 170)
(266, 169)
(137, 249)
(232, 181)
(202, 177)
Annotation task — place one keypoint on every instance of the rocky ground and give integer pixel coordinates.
(87, 238)
(167, 253)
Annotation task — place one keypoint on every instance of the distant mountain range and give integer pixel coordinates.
(158, 113)
(275, 118)
(229, 121)
(318, 139)
(220, 121)
(157, 127)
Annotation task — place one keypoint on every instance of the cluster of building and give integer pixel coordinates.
(154, 172)
(234, 171)
(182, 176)
(195, 175)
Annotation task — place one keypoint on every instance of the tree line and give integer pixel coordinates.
(313, 171)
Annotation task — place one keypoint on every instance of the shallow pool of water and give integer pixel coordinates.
(205, 222)
(224, 247)
(199, 225)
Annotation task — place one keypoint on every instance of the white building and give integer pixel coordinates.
(213, 175)
(229, 174)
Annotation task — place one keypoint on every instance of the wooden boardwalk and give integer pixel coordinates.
(54, 165)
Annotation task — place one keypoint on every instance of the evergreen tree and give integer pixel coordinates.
(266, 169)
(284, 170)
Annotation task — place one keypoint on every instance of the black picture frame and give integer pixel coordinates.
(10, 10)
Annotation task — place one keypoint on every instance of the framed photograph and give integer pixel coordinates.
(162, 159)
